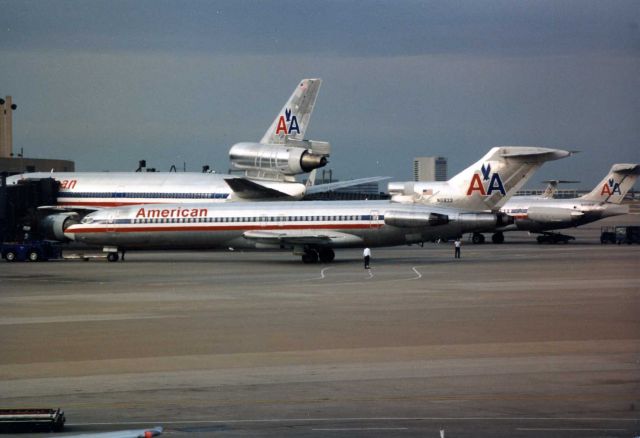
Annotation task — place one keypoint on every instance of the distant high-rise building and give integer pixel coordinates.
(430, 169)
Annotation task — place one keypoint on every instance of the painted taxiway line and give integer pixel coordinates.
(419, 275)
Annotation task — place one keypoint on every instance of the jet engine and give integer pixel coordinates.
(553, 214)
(53, 226)
(293, 157)
(409, 219)
(478, 222)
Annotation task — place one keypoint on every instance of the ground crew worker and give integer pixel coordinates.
(367, 256)
(456, 245)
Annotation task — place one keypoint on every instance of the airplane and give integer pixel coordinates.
(539, 215)
(313, 229)
(552, 187)
(269, 169)
(137, 433)
(483, 186)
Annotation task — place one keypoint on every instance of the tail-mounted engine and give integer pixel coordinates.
(293, 157)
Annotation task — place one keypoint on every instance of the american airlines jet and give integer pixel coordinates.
(270, 167)
(539, 215)
(313, 229)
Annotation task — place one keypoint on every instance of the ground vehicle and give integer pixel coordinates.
(31, 420)
(33, 251)
(554, 238)
(620, 234)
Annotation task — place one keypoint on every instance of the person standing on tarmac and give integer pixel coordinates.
(456, 245)
(367, 257)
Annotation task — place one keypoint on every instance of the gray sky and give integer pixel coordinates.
(106, 83)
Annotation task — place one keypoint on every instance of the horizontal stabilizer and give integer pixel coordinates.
(525, 152)
(246, 189)
(626, 169)
(327, 187)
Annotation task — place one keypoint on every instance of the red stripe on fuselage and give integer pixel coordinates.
(139, 229)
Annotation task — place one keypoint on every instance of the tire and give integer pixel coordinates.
(477, 238)
(310, 256)
(497, 238)
(10, 256)
(113, 257)
(326, 255)
(33, 256)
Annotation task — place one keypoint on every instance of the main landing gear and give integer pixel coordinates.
(312, 255)
(477, 238)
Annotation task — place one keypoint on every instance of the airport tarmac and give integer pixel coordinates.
(513, 340)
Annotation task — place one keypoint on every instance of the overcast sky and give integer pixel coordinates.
(106, 83)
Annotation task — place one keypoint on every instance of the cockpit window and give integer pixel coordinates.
(87, 220)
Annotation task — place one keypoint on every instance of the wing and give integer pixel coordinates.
(247, 189)
(300, 237)
(321, 188)
(69, 208)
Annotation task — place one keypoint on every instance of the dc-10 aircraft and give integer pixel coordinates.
(312, 229)
(539, 215)
(270, 167)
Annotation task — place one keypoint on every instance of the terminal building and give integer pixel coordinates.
(430, 169)
(12, 163)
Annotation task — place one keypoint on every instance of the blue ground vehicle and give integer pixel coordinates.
(33, 251)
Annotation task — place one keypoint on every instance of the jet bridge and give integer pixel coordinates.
(19, 207)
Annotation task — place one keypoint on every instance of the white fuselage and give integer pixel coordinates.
(220, 226)
(541, 214)
(113, 189)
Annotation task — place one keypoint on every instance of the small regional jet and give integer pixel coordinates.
(270, 167)
(539, 215)
(313, 229)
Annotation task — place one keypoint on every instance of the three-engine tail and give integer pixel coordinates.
(293, 119)
(615, 185)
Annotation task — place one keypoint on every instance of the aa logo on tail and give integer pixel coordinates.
(610, 188)
(287, 123)
(493, 179)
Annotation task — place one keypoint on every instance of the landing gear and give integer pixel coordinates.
(477, 238)
(554, 238)
(497, 237)
(326, 255)
(113, 257)
(310, 256)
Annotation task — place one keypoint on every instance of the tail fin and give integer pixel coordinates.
(552, 187)
(293, 119)
(490, 182)
(615, 185)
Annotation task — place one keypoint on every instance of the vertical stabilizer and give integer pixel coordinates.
(615, 185)
(293, 119)
(490, 182)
